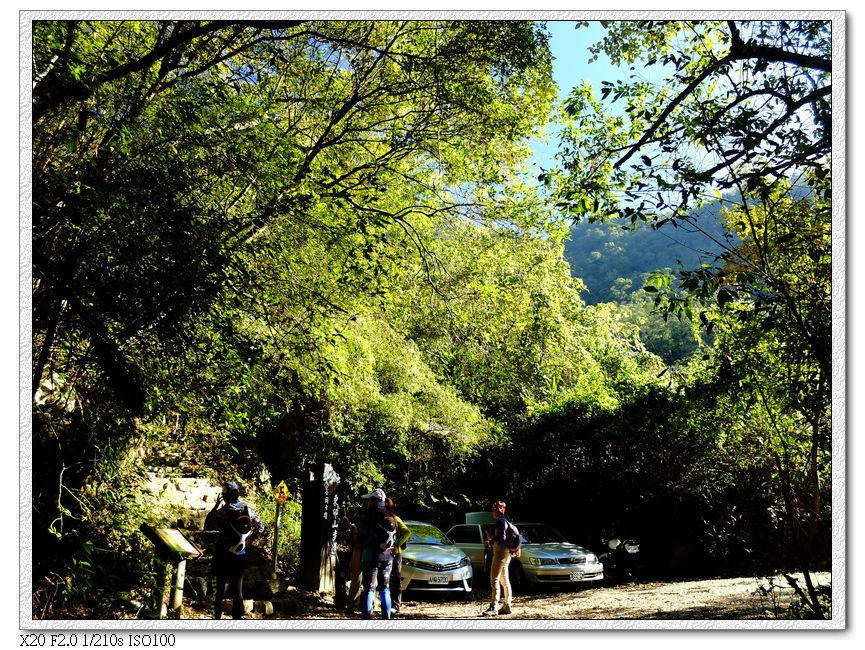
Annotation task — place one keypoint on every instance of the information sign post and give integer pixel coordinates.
(173, 548)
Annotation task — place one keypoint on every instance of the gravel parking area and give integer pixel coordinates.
(723, 598)
(713, 599)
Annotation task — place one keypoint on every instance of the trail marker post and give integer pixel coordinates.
(282, 494)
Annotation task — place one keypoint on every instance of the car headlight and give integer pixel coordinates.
(408, 562)
(465, 561)
(541, 561)
(591, 558)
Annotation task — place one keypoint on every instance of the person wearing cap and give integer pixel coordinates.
(499, 580)
(377, 562)
(228, 556)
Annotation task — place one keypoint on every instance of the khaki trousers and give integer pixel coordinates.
(499, 576)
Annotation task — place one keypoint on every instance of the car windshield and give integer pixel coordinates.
(539, 534)
(427, 534)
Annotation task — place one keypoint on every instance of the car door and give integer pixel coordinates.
(469, 539)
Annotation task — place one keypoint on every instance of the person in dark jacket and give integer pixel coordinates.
(376, 555)
(237, 524)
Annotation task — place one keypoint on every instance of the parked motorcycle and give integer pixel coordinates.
(621, 560)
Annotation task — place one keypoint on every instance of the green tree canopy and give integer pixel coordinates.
(741, 115)
(163, 150)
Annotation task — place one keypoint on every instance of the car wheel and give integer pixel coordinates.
(516, 576)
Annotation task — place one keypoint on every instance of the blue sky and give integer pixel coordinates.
(569, 47)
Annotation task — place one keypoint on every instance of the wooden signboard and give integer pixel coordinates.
(174, 548)
(171, 542)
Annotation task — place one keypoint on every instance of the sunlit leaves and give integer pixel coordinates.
(744, 99)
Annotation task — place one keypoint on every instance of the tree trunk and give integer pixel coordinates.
(802, 552)
(45, 351)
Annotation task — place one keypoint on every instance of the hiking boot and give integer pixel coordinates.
(490, 611)
(506, 609)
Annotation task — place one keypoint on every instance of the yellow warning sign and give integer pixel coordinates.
(282, 492)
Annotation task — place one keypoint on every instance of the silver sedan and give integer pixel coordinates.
(431, 561)
(546, 557)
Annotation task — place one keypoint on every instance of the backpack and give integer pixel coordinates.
(385, 533)
(513, 539)
(239, 528)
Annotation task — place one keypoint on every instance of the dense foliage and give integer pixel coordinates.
(742, 116)
(279, 244)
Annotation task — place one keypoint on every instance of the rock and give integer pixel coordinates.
(264, 607)
(275, 586)
(286, 606)
(195, 588)
(192, 520)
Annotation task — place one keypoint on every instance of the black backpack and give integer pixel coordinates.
(513, 539)
(385, 533)
(238, 529)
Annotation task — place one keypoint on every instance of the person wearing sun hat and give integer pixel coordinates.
(376, 535)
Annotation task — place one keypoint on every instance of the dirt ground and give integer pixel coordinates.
(721, 598)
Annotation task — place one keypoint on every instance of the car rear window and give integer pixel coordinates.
(469, 534)
(538, 534)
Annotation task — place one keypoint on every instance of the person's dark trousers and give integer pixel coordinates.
(376, 573)
(228, 570)
(396, 584)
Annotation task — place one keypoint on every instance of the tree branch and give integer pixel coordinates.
(57, 93)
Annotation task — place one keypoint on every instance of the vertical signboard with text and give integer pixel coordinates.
(318, 535)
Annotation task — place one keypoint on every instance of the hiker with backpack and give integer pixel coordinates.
(238, 525)
(402, 536)
(505, 541)
(377, 535)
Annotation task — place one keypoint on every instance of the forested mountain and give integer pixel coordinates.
(602, 254)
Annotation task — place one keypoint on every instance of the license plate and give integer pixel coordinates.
(439, 580)
(576, 575)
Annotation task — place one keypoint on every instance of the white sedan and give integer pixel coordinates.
(431, 561)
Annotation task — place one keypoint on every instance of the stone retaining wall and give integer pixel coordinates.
(191, 497)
